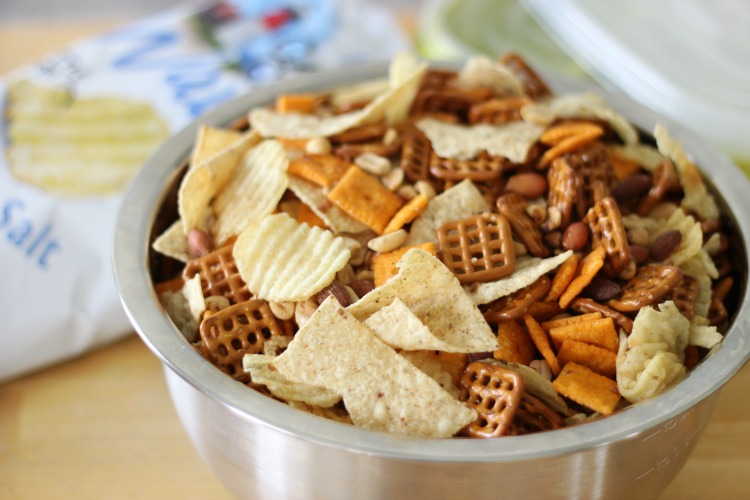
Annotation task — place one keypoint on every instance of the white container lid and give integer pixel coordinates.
(687, 59)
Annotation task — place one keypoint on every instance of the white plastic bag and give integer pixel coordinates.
(78, 125)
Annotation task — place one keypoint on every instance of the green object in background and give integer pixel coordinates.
(458, 28)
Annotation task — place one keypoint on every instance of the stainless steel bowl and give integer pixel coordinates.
(260, 448)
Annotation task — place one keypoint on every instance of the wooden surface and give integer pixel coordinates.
(103, 426)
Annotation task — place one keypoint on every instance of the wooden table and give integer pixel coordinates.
(103, 426)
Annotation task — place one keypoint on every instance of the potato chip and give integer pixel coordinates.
(692, 236)
(435, 296)
(697, 199)
(588, 267)
(364, 198)
(515, 343)
(512, 140)
(587, 388)
(185, 307)
(316, 200)
(202, 182)
(284, 261)
(391, 105)
(644, 155)
(651, 358)
(212, 141)
(541, 341)
(595, 358)
(458, 202)
(433, 368)
(366, 91)
(381, 390)
(527, 272)
(262, 371)
(702, 334)
(407, 213)
(254, 190)
(173, 242)
(481, 71)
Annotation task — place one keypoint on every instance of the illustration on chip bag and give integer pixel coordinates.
(448, 253)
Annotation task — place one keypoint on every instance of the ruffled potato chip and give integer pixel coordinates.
(256, 186)
(481, 71)
(651, 358)
(282, 260)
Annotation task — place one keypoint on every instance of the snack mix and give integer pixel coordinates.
(447, 253)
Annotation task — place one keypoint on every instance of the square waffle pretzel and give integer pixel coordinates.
(684, 295)
(533, 85)
(515, 305)
(449, 99)
(513, 206)
(533, 415)
(593, 169)
(482, 168)
(498, 111)
(647, 287)
(219, 275)
(241, 329)
(416, 151)
(607, 230)
(495, 393)
(478, 248)
(561, 179)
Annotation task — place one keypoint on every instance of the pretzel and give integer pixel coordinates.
(533, 415)
(349, 152)
(684, 295)
(482, 168)
(241, 329)
(515, 305)
(498, 111)
(584, 306)
(219, 275)
(665, 177)
(495, 393)
(533, 85)
(449, 99)
(647, 287)
(513, 206)
(362, 133)
(478, 248)
(593, 168)
(416, 151)
(607, 230)
(562, 191)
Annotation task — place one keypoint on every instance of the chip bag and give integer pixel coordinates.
(80, 123)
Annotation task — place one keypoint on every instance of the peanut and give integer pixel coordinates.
(388, 241)
(199, 243)
(373, 164)
(318, 146)
(575, 237)
(527, 184)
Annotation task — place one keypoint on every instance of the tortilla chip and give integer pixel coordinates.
(261, 370)
(384, 264)
(435, 296)
(173, 242)
(527, 272)
(433, 368)
(391, 394)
